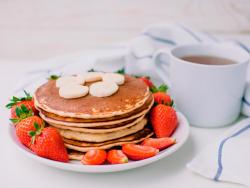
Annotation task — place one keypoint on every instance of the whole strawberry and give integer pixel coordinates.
(15, 102)
(162, 98)
(164, 120)
(25, 126)
(147, 81)
(48, 143)
(21, 113)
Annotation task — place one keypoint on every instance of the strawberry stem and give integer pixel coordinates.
(121, 71)
(15, 100)
(22, 112)
(161, 88)
(38, 131)
(53, 77)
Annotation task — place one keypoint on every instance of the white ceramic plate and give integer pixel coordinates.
(181, 135)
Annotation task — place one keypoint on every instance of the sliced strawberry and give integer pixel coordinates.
(116, 157)
(138, 152)
(94, 157)
(159, 143)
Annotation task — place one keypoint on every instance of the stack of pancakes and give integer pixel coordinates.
(97, 122)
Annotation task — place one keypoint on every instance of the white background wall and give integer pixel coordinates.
(34, 30)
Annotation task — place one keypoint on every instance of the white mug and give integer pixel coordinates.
(209, 95)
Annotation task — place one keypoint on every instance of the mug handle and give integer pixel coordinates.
(162, 67)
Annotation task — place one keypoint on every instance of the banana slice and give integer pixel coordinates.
(114, 77)
(103, 89)
(72, 91)
(66, 80)
(93, 76)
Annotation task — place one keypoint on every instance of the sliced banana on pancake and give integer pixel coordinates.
(66, 80)
(114, 77)
(93, 76)
(103, 89)
(72, 91)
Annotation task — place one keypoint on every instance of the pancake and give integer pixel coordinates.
(89, 130)
(85, 146)
(105, 124)
(146, 106)
(130, 96)
(102, 137)
(75, 155)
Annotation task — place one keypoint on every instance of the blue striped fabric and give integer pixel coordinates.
(245, 101)
(220, 150)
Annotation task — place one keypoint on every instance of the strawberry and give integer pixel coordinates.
(164, 120)
(48, 143)
(162, 98)
(25, 126)
(139, 152)
(147, 81)
(116, 157)
(21, 113)
(159, 143)
(94, 157)
(17, 102)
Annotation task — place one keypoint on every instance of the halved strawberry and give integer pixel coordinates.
(94, 157)
(117, 157)
(159, 143)
(138, 152)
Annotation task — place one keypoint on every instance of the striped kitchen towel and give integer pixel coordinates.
(228, 158)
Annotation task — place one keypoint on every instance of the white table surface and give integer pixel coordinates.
(18, 171)
(33, 30)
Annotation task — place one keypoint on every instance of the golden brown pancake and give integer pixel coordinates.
(75, 155)
(146, 106)
(85, 146)
(102, 137)
(89, 130)
(130, 96)
(102, 124)
(90, 125)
